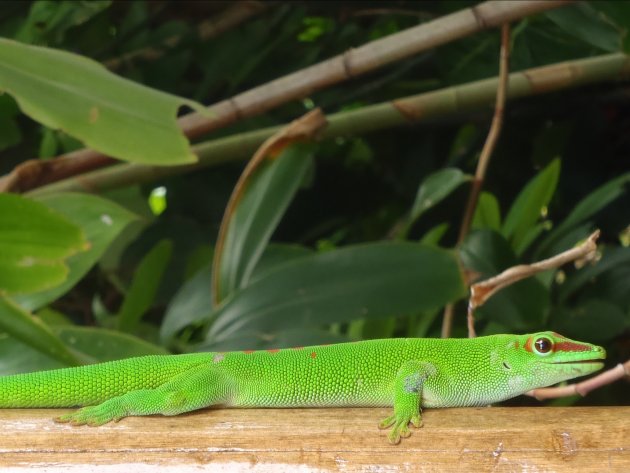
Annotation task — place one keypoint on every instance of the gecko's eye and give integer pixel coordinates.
(543, 346)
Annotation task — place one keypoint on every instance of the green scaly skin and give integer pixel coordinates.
(404, 373)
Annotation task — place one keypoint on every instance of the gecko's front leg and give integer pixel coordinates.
(407, 395)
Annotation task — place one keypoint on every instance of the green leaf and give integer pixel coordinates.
(23, 326)
(107, 113)
(106, 345)
(586, 208)
(584, 22)
(49, 20)
(530, 203)
(277, 254)
(596, 320)
(365, 281)
(101, 222)
(16, 357)
(487, 214)
(97, 345)
(435, 188)
(299, 337)
(434, 235)
(34, 244)
(191, 304)
(259, 210)
(10, 134)
(146, 281)
(612, 257)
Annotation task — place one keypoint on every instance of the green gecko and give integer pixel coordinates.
(404, 373)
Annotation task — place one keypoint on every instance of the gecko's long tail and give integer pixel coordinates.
(92, 384)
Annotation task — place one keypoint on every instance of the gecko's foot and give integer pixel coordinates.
(92, 415)
(400, 426)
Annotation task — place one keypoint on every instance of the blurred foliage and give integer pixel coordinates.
(143, 286)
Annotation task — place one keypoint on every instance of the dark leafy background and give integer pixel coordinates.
(330, 274)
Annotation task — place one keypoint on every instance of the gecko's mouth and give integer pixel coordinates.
(579, 362)
(594, 363)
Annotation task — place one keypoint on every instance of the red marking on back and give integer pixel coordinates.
(248, 352)
(313, 354)
(571, 347)
(273, 350)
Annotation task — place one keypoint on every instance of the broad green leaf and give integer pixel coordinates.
(299, 337)
(521, 306)
(17, 357)
(23, 326)
(265, 199)
(434, 235)
(529, 204)
(487, 214)
(106, 345)
(435, 188)
(583, 21)
(10, 134)
(612, 257)
(192, 304)
(586, 208)
(34, 244)
(596, 320)
(106, 112)
(364, 281)
(145, 283)
(529, 237)
(276, 254)
(96, 345)
(101, 222)
(49, 20)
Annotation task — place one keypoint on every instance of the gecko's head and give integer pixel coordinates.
(545, 358)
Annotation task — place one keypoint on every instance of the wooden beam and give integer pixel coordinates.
(307, 440)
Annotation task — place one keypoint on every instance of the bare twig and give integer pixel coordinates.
(229, 18)
(351, 64)
(422, 107)
(480, 292)
(302, 129)
(493, 135)
(482, 165)
(584, 387)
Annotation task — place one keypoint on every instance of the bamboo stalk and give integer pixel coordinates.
(300, 84)
(431, 105)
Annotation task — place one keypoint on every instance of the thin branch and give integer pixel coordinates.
(227, 19)
(349, 65)
(304, 128)
(422, 107)
(493, 135)
(583, 388)
(482, 291)
(482, 165)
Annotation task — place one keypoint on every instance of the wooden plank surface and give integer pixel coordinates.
(500, 439)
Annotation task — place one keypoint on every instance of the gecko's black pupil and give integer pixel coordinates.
(543, 345)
